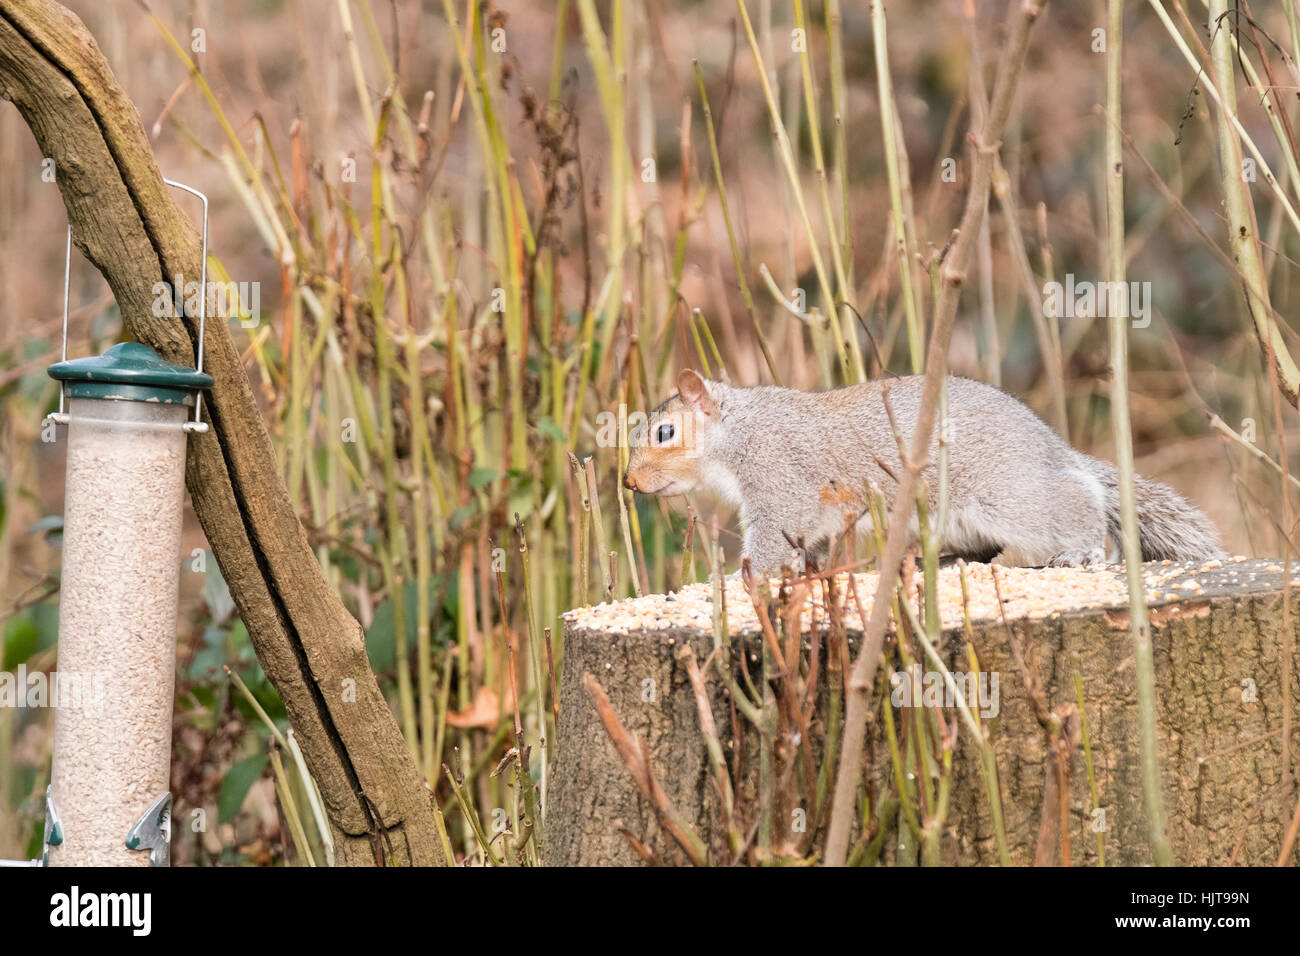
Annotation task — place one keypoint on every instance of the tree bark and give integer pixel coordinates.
(126, 222)
(1218, 667)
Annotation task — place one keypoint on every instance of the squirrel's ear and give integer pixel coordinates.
(694, 391)
(690, 386)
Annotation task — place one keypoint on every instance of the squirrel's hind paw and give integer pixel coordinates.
(1092, 558)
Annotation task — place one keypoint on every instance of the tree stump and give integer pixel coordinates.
(1219, 642)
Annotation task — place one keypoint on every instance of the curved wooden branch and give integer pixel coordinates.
(128, 225)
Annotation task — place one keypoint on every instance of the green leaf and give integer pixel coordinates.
(205, 696)
(550, 430)
(239, 638)
(236, 784)
(207, 663)
(46, 618)
(381, 638)
(481, 476)
(21, 636)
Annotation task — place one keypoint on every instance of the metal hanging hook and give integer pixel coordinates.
(61, 417)
(196, 424)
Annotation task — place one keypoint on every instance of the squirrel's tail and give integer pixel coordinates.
(1169, 529)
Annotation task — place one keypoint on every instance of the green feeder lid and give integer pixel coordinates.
(130, 371)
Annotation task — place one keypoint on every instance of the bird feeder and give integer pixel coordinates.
(128, 418)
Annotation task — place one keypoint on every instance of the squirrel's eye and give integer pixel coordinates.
(664, 435)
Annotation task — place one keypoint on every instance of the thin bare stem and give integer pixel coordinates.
(954, 270)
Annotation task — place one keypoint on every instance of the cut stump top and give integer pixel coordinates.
(1027, 594)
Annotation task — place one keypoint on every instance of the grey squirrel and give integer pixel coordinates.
(798, 466)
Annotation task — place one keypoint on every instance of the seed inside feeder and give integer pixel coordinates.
(118, 605)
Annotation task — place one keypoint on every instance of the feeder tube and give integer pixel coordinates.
(117, 625)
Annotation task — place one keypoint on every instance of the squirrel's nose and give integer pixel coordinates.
(628, 483)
